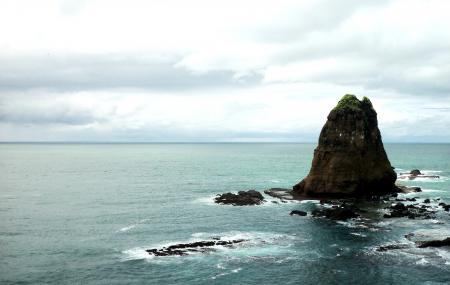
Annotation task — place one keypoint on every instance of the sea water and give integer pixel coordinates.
(85, 213)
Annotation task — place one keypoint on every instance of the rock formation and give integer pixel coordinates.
(242, 198)
(350, 159)
(415, 173)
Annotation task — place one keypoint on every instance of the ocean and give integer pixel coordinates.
(85, 213)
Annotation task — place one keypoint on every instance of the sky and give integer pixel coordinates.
(220, 71)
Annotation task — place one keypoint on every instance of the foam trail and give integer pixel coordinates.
(124, 229)
(132, 226)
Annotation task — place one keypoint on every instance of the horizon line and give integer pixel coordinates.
(202, 142)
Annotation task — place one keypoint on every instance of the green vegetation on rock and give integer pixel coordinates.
(351, 101)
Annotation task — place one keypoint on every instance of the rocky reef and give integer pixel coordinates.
(350, 159)
(186, 248)
(242, 198)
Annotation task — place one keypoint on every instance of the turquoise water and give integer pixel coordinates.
(85, 213)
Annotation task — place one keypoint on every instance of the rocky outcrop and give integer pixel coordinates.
(186, 248)
(242, 198)
(342, 212)
(415, 173)
(298, 213)
(350, 159)
(412, 211)
(445, 206)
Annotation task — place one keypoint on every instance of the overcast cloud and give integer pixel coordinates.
(178, 70)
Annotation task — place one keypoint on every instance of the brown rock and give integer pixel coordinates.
(350, 159)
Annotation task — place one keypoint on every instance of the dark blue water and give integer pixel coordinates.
(85, 213)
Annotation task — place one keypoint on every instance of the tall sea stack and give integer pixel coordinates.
(350, 159)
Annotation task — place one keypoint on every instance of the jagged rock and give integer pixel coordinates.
(350, 159)
(383, 248)
(242, 198)
(427, 201)
(185, 248)
(434, 243)
(399, 210)
(298, 212)
(336, 213)
(445, 206)
(415, 172)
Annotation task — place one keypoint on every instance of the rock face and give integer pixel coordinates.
(350, 159)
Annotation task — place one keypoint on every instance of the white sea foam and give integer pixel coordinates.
(423, 179)
(422, 261)
(127, 228)
(132, 226)
(136, 253)
(206, 200)
(226, 273)
(359, 234)
(310, 201)
(444, 254)
(275, 181)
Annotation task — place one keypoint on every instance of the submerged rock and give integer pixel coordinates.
(412, 211)
(388, 247)
(298, 213)
(445, 206)
(242, 198)
(185, 248)
(350, 159)
(341, 213)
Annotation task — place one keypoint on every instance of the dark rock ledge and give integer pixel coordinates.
(420, 244)
(186, 248)
(341, 212)
(434, 243)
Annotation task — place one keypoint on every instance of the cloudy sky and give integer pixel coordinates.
(177, 70)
